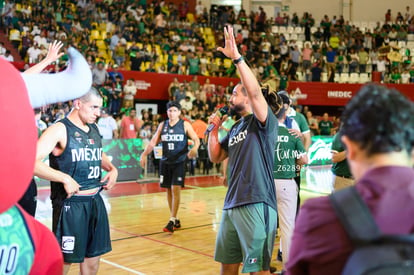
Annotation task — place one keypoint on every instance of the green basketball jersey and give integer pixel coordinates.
(288, 149)
(16, 246)
(340, 168)
(300, 120)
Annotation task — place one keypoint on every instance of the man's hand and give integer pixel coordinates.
(143, 161)
(71, 186)
(110, 178)
(192, 153)
(230, 47)
(53, 52)
(224, 181)
(295, 133)
(216, 120)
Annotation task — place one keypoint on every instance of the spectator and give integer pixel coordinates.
(353, 61)
(33, 53)
(8, 56)
(145, 134)
(117, 89)
(313, 123)
(382, 164)
(330, 59)
(129, 93)
(316, 72)
(107, 125)
(186, 103)
(130, 125)
(115, 73)
(99, 75)
(325, 125)
(200, 127)
(363, 60)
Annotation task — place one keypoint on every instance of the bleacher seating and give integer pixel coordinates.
(364, 78)
(354, 78)
(324, 77)
(344, 78)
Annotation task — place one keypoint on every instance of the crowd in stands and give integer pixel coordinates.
(164, 37)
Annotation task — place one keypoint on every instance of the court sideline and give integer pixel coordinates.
(137, 213)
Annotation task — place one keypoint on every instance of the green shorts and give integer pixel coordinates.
(246, 235)
(81, 227)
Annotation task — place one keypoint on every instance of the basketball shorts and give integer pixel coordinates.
(29, 201)
(246, 235)
(172, 174)
(81, 227)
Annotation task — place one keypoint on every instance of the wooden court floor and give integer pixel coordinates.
(139, 211)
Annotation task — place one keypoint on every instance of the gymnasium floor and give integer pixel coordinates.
(139, 211)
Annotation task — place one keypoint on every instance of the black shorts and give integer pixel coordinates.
(81, 227)
(29, 201)
(172, 174)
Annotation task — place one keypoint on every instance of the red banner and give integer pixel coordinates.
(154, 86)
(335, 94)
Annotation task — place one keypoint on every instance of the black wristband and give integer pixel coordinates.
(238, 60)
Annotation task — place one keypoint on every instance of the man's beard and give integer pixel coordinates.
(236, 109)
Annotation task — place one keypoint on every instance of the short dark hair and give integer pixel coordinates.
(92, 92)
(173, 104)
(380, 120)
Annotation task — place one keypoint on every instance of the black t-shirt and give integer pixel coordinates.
(251, 149)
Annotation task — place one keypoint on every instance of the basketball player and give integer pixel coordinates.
(80, 220)
(173, 134)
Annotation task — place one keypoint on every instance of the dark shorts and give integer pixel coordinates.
(81, 227)
(29, 199)
(172, 174)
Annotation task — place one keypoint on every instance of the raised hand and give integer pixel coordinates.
(53, 51)
(230, 47)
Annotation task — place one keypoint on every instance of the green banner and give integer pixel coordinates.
(320, 151)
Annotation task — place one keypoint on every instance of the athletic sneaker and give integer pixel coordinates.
(279, 256)
(169, 227)
(177, 224)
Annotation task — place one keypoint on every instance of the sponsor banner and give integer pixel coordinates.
(335, 94)
(154, 86)
(319, 152)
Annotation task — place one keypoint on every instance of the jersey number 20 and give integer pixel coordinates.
(94, 172)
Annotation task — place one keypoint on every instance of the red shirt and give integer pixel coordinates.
(130, 127)
(319, 243)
